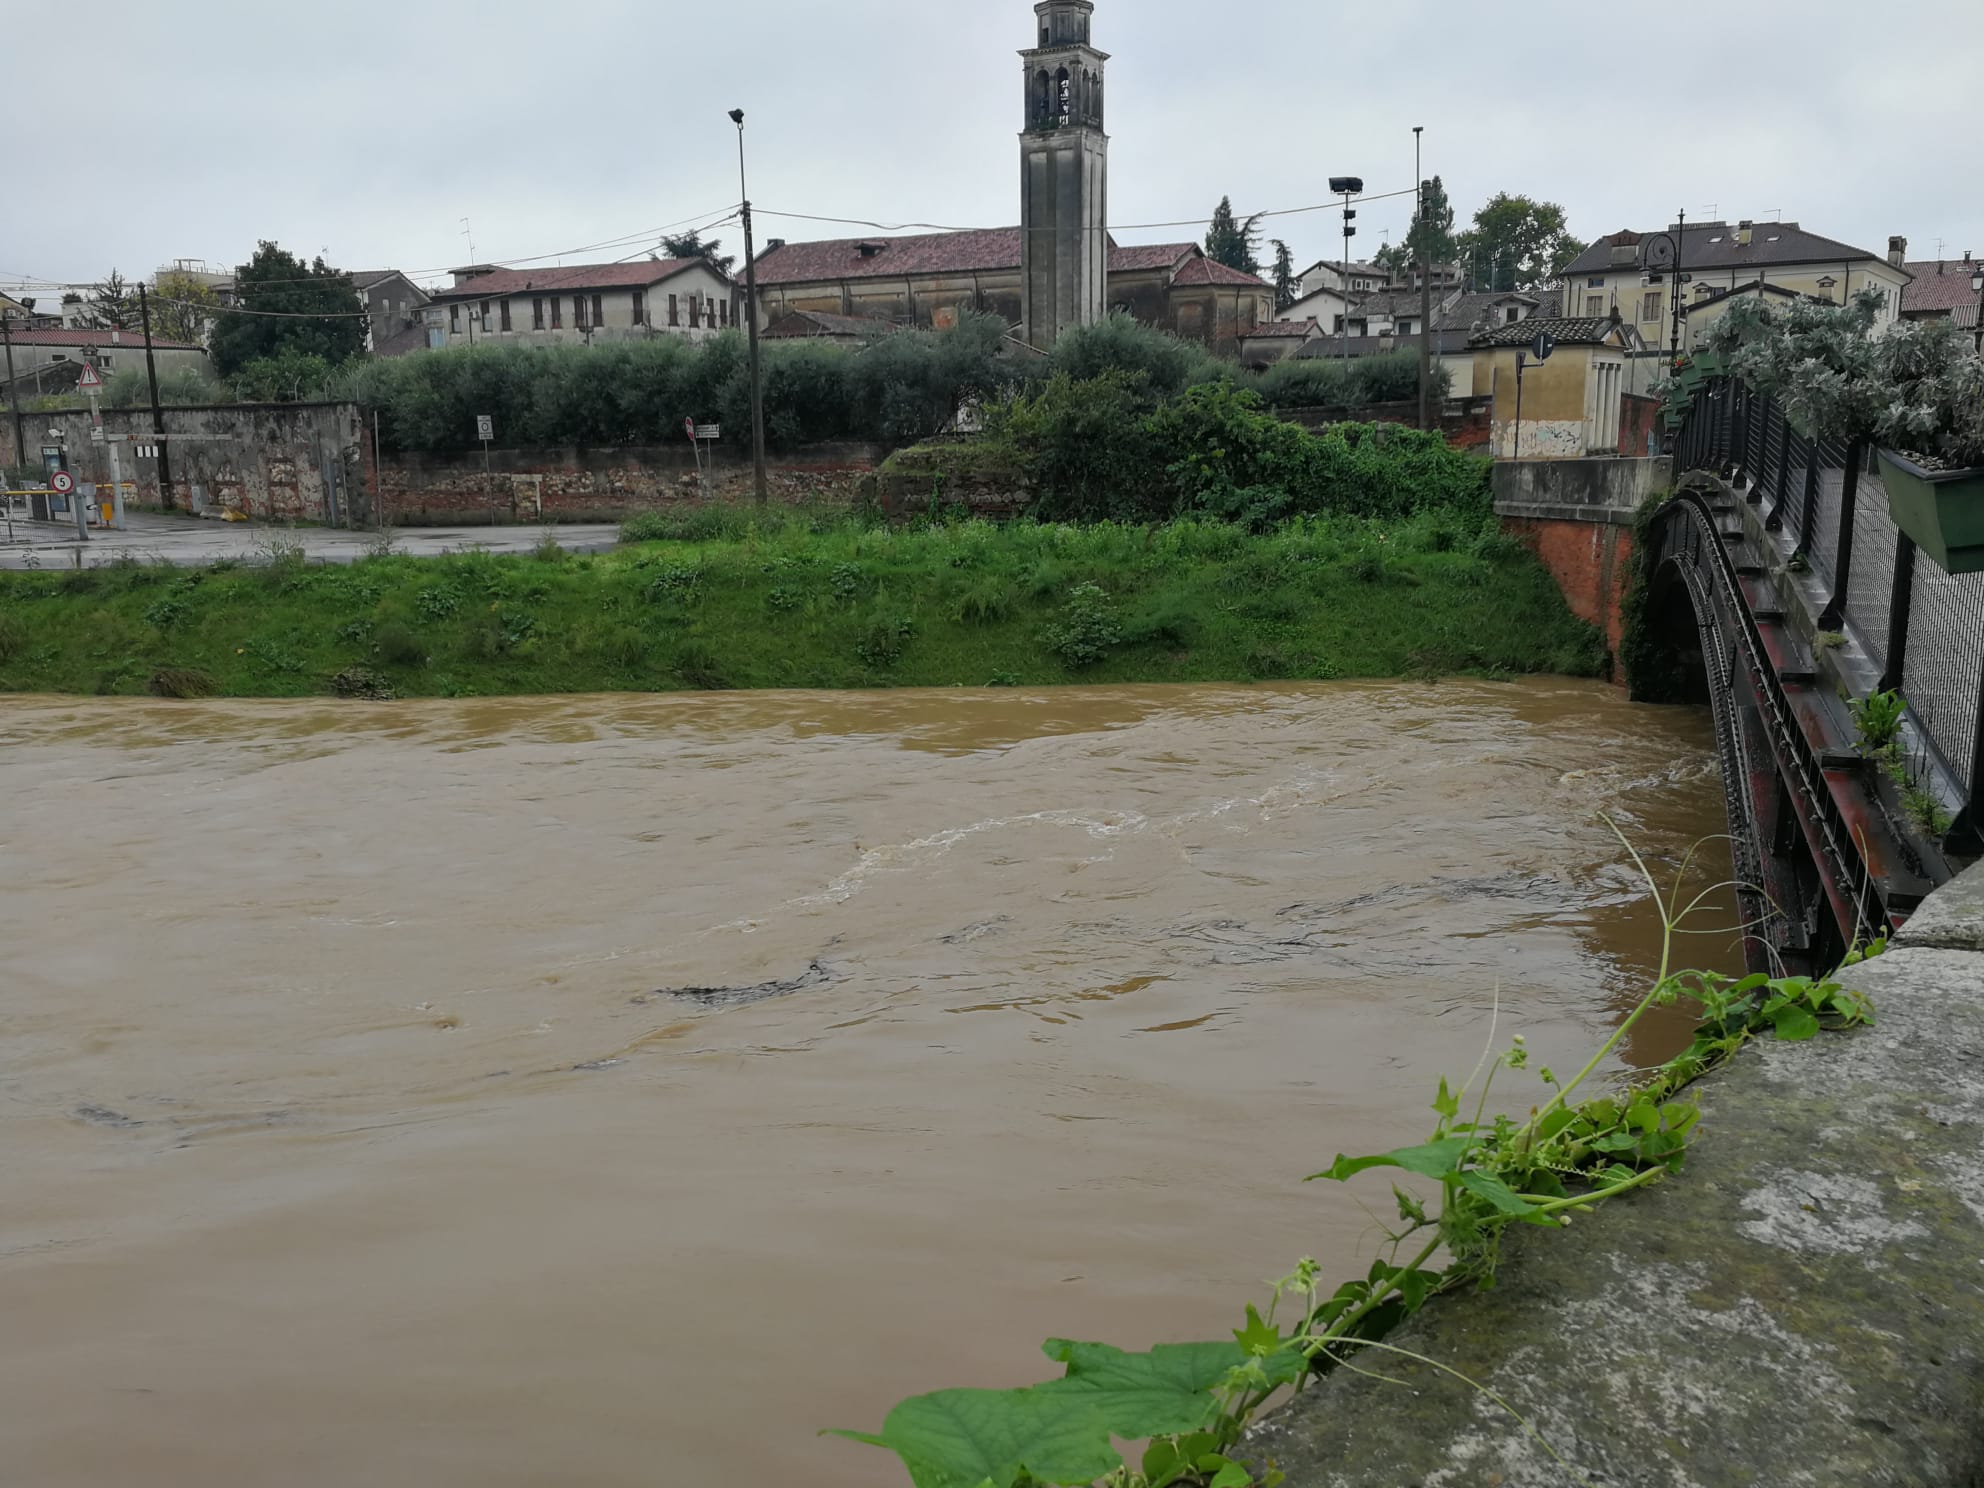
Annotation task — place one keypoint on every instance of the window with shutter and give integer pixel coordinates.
(537, 313)
(674, 310)
(557, 313)
(598, 310)
(505, 307)
(640, 307)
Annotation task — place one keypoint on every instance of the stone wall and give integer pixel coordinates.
(602, 485)
(1803, 1304)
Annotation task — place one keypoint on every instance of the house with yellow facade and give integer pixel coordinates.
(1631, 274)
(1567, 407)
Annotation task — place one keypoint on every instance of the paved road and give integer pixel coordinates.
(189, 542)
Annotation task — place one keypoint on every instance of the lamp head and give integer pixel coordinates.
(1346, 185)
(737, 117)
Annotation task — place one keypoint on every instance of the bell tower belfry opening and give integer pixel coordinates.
(1064, 175)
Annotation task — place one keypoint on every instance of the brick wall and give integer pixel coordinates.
(1591, 562)
(1639, 418)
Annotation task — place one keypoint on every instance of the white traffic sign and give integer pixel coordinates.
(709, 431)
(485, 428)
(61, 483)
(89, 382)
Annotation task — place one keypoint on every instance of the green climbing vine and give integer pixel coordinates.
(1477, 1176)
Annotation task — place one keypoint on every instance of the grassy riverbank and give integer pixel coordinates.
(827, 602)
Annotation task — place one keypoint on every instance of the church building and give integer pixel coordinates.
(1058, 269)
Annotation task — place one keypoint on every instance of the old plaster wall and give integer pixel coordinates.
(278, 461)
(1577, 517)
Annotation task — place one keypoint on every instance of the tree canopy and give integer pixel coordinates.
(183, 308)
(1516, 243)
(110, 306)
(1232, 242)
(1285, 289)
(691, 245)
(287, 307)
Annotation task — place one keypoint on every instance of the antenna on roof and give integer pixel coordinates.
(469, 233)
(1714, 210)
(1939, 250)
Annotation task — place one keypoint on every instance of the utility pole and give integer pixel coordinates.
(751, 315)
(1680, 310)
(158, 415)
(14, 394)
(1425, 287)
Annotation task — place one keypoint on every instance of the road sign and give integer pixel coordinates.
(689, 427)
(89, 382)
(709, 431)
(1543, 345)
(61, 483)
(485, 428)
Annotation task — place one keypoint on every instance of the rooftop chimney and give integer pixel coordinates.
(1745, 230)
(1897, 251)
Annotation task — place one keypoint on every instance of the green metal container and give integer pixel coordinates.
(1943, 510)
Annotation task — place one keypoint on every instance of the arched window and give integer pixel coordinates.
(1041, 97)
(1088, 96)
(1095, 108)
(1064, 87)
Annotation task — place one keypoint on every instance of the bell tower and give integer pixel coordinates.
(1064, 176)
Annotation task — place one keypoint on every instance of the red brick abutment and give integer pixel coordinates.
(1577, 516)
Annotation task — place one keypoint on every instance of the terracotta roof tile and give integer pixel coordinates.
(1941, 285)
(1207, 271)
(127, 340)
(1286, 330)
(506, 282)
(1589, 330)
(877, 257)
(1141, 256)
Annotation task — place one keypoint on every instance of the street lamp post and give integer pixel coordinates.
(1674, 241)
(1977, 283)
(751, 318)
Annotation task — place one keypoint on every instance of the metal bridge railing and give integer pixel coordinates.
(1922, 627)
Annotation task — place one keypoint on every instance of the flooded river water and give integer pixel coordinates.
(614, 1091)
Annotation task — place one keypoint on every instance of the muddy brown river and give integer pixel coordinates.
(615, 1091)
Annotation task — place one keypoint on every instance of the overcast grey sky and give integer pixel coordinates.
(369, 129)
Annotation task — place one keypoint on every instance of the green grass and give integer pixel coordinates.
(803, 601)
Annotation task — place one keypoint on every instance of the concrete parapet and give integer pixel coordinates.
(1596, 490)
(1804, 1305)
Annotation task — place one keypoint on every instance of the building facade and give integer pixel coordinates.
(1567, 407)
(1631, 273)
(688, 298)
(397, 310)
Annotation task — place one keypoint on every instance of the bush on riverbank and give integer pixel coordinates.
(819, 600)
(1110, 448)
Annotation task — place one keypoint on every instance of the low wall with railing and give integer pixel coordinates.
(1919, 629)
(1801, 1304)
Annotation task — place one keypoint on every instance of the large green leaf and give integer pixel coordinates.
(1165, 1392)
(1434, 1160)
(968, 1438)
